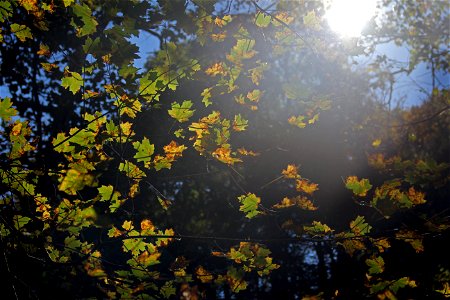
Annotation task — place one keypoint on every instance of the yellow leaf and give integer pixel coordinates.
(147, 225)
(291, 171)
(127, 225)
(204, 275)
(376, 143)
(303, 185)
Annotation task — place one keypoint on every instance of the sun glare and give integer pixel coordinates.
(348, 17)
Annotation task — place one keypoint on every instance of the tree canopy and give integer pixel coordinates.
(254, 155)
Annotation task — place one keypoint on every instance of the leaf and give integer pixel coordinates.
(242, 50)
(127, 225)
(300, 201)
(263, 20)
(134, 245)
(72, 81)
(21, 31)
(359, 226)
(107, 193)
(358, 187)
(217, 69)
(223, 154)
(182, 112)
(311, 20)
(206, 94)
(5, 11)
(254, 95)
(291, 171)
(318, 228)
(297, 121)
(411, 237)
(168, 290)
(44, 50)
(249, 205)
(203, 275)
(376, 265)
(89, 22)
(49, 67)
(239, 123)
(303, 185)
(131, 170)
(68, 2)
(144, 151)
(445, 289)
(401, 283)
(376, 143)
(6, 109)
(20, 221)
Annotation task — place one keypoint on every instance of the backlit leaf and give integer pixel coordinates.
(358, 187)
(6, 109)
(249, 205)
(262, 20)
(376, 265)
(72, 81)
(182, 112)
(21, 31)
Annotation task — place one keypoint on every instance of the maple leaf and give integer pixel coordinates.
(303, 185)
(262, 20)
(359, 226)
(216, 69)
(249, 205)
(72, 81)
(223, 154)
(203, 275)
(318, 228)
(144, 151)
(239, 123)
(358, 187)
(376, 265)
(89, 22)
(6, 109)
(20, 221)
(182, 112)
(291, 171)
(22, 32)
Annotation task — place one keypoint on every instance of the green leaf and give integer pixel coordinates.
(72, 81)
(62, 146)
(181, 112)
(107, 193)
(20, 221)
(5, 10)
(131, 170)
(21, 31)
(262, 20)
(311, 20)
(167, 290)
(72, 242)
(401, 283)
(144, 150)
(358, 187)
(376, 265)
(136, 246)
(318, 228)
(89, 22)
(359, 226)
(249, 205)
(6, 109)
(206, 94)
(68, 2)
(239, 123)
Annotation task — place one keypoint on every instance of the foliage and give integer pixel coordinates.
(93, 147)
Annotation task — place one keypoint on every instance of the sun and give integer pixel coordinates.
(348, 17)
